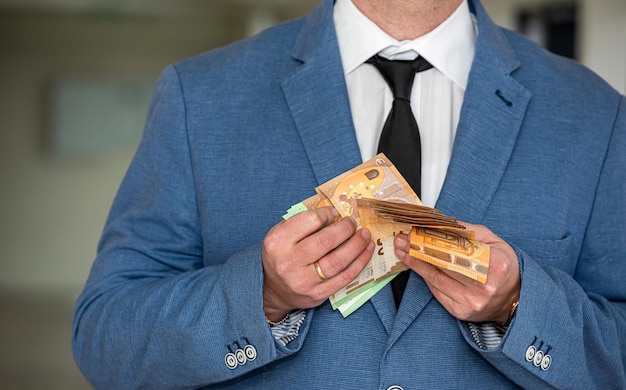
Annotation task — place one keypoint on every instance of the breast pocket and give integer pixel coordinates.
(551, 253)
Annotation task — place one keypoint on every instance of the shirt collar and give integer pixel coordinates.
(449, 47)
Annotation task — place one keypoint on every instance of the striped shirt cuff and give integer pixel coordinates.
(486, 336)
(288, 329)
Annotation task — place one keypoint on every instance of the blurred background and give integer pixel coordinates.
(75, 82)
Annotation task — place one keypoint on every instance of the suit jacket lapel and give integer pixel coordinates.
(317, 97)
(492, 114)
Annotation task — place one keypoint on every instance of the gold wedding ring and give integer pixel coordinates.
(318, 269)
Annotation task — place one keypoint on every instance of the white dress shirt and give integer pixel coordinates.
(437, 94)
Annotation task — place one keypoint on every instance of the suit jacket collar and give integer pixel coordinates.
(492, 114)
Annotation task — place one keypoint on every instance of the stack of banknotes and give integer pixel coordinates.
(377, 196)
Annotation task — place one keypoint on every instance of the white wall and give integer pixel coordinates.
(602, 33)
(52, 209)
(603, 39)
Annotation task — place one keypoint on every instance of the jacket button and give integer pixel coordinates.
(395, 387)
(240, 355)
(250, 352)
(538, 358)
(530, 353)
(546, 362)
(230, 360)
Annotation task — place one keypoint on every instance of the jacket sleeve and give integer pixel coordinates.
(153, 314)
(570, 331)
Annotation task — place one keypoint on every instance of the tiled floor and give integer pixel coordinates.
(35, 333)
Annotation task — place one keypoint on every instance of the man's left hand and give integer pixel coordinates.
(465, 298)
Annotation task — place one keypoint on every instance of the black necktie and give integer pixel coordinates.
(400, 138)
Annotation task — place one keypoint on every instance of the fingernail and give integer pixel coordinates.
(366, 234)
(334, 212)
(401, 242)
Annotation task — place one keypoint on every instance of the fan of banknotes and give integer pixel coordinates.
(380, 199)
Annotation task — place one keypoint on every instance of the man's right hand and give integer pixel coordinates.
(309, 257)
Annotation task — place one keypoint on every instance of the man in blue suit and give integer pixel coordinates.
(196, 283)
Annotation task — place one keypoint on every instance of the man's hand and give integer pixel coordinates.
(299, 251)
(465, 298)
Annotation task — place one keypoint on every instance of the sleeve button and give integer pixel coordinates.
(546, 362)
(530, 353)
(250, 352)
(230, 360)
(241, 357)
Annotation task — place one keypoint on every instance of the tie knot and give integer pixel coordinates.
(399, 74)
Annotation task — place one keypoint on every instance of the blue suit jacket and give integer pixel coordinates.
(237, 135)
